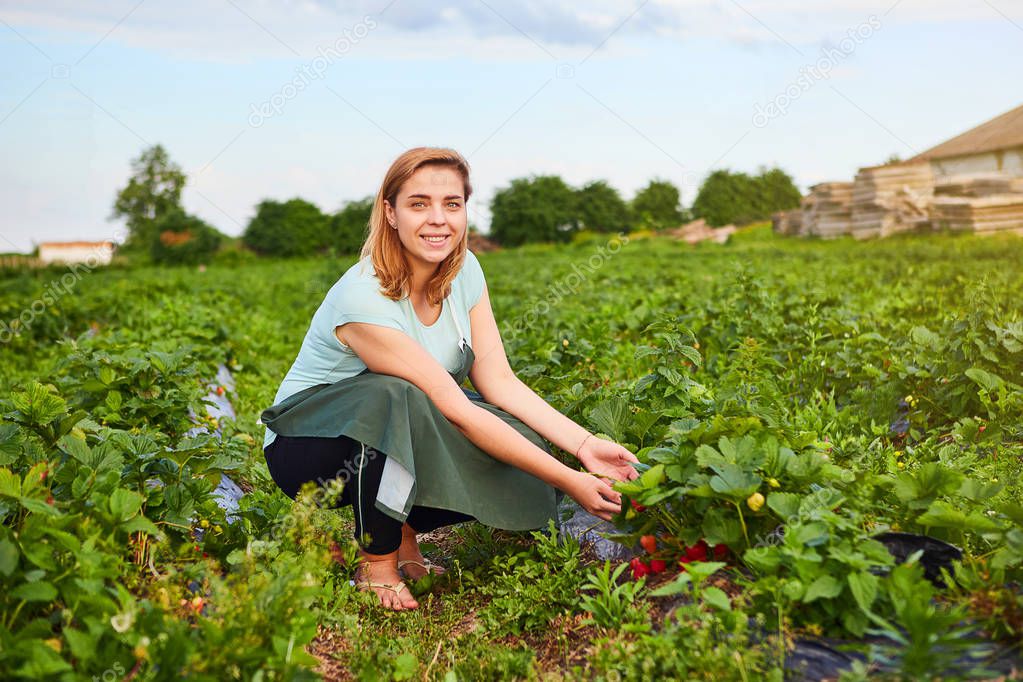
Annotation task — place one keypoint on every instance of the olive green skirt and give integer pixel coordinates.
(429, 461)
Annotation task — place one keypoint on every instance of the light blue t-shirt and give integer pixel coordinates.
(356, 297)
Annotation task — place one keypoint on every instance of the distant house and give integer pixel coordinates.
(90, 253)
(992, 147)
(973, 182)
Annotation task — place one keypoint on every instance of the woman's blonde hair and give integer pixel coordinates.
(382, 244)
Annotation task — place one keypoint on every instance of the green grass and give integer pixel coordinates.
(812, 346)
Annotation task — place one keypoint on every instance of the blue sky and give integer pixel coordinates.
(623, 91)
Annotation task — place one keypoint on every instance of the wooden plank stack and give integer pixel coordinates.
(828, 214)
(699, 231)
(978, 185)
(983, 215)
(891, 198)
(787, 223)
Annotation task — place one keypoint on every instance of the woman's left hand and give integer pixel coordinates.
(609, 459)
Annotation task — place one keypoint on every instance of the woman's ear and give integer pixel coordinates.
(389, 213)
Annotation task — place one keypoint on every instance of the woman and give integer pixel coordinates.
(374, 396)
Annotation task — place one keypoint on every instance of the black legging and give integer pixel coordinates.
(296, 460)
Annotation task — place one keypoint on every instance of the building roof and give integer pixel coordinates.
(1001, 132)
(75, 244)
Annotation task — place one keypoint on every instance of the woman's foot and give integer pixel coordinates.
(414, 565)
(379, 572)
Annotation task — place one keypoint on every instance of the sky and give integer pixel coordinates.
(263, 99)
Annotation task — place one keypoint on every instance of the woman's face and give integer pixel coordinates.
(429, 214)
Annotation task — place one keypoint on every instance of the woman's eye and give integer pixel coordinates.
(418, 203)
(454, 204)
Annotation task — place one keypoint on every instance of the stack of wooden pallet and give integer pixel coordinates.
(829, 211)
(787, 223)
(699, 231)
(890, 199)
(983, 215)
(978, 185)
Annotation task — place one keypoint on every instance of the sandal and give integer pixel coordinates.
(366, 585)
(425, 564)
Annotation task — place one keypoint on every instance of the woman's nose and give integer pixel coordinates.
(437, 214)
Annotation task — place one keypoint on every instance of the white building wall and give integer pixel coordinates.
(90, 254)
(1006, 161)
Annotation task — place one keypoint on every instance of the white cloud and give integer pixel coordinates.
(655, 103)
(240, 30)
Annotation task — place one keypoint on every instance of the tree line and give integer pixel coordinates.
(540, 208)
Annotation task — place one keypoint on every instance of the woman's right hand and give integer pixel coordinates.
(593, 494)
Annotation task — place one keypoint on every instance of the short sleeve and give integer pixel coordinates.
(474, 280)
(360, 300)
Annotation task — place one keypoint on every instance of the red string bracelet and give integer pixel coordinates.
(582, 444)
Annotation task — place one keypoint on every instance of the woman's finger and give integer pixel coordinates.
(601, 506)
(609, 493)
(609, 508)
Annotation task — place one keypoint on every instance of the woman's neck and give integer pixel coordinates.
(421, 275)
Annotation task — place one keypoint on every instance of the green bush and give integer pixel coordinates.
(349, 226)
(737, 198)
(291, 228)
(537, 209)
(658, 206)
(601, 208)
(182, 239)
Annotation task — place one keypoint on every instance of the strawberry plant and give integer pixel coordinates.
(789, 400)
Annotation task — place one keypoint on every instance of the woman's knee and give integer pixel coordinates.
(295, 461)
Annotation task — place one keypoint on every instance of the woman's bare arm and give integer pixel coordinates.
(494, 379)
(391, 352)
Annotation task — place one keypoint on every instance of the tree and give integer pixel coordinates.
(292, 228)
(537, 209)
(153, 191)
(775, 192)
(738, 198)
(602, 209)
(349, 226)
(724, 198)
(182, 238)
(656, 206)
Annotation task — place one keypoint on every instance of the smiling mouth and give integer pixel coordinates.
(435, 239)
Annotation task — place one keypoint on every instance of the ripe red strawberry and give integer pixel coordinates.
(697, 552)
(658, 565)
(637, 506)
(720, 551)
(639, 569)
(649, 543)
